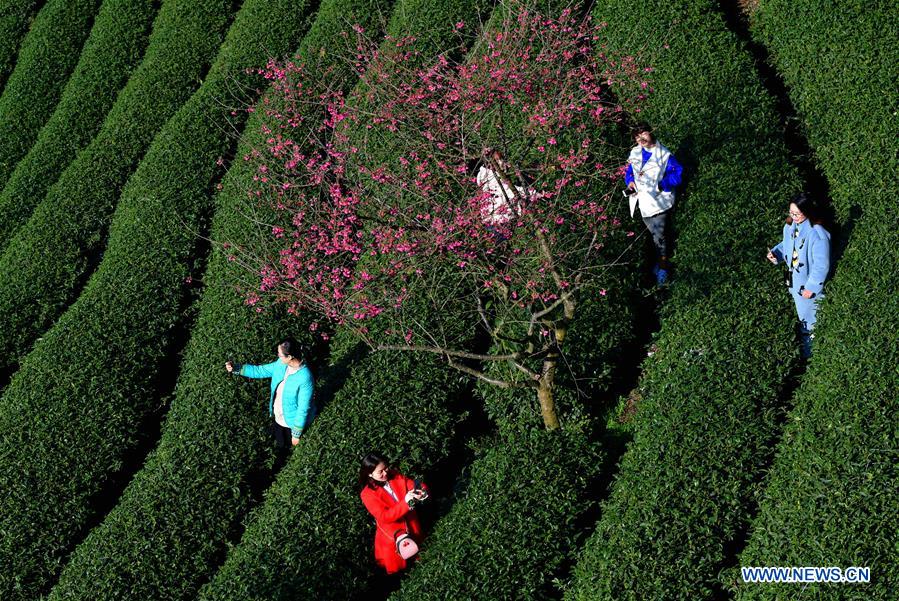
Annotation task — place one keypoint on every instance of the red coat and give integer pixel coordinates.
(391, 516)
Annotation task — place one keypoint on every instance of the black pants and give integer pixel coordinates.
(282, 435)
(658, 226)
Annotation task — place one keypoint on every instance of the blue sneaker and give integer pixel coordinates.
(661, 276)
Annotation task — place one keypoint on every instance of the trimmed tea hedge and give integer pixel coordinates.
(831, 496)
(117, 41)
(15, 19)
(397, 403)
(169, 529)
(120, 331)
(514, 524)
(47, 261)
(45, 61)
(838, 61)
(707, 425)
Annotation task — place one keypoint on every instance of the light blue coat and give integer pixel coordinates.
(296, 396)
(813, 246)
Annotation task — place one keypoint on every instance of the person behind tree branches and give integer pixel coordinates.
(290, 400)
(504, 199)
(652, 175)
(805, 248)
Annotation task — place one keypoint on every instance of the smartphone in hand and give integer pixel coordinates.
(417, 487)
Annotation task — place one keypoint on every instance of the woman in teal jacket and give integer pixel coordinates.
(290, 400)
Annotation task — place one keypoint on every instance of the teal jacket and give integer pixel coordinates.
(297, 394)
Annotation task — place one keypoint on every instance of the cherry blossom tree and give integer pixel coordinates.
(442, 191)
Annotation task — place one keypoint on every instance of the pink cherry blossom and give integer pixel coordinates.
(391, 195)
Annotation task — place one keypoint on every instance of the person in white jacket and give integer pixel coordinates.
(652, 175)
(504, 197)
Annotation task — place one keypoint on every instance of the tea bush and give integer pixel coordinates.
(95, 395)
(514, 524)
(15, 19)
(705, 429)
(116, 43)
(830, 498)
(46, 59)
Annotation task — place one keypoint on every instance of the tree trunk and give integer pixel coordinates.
(545, 391)
(545, 387)
(545, 396)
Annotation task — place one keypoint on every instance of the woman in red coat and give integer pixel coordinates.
(389, 497)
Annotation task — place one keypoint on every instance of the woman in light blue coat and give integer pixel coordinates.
(290, 401)
(805, 248)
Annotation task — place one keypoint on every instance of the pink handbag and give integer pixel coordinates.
(405, 545)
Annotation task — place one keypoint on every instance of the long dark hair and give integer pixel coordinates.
(369, 463)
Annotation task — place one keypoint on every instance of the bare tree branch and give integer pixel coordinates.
(530, 373)
(447, 352)
(484, 377)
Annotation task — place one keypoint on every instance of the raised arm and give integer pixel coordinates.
(257, 371)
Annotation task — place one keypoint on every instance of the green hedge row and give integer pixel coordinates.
(838, 62)
(514, 522)
(47, 261)
(45, 61)
(171, 525)
(706, 427)
(312, 537)
(517, 520)
(93, 398)
(117, 42)
(831, 495)
(15, 20)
